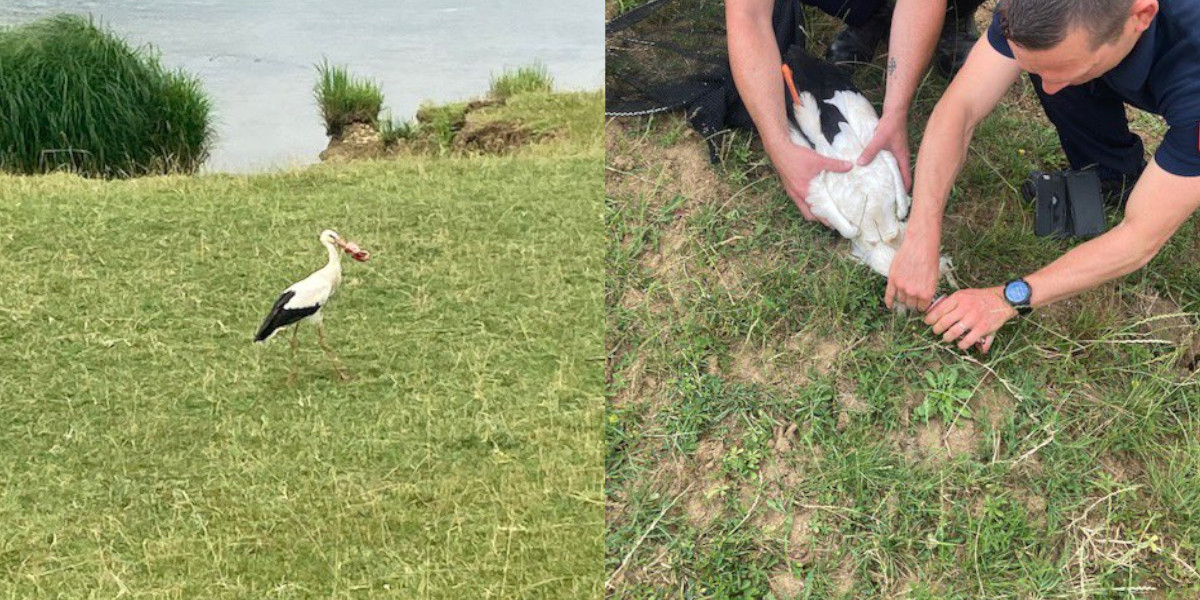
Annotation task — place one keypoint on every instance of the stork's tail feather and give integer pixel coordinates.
(879, 257)
(263, 335)
(281, 317)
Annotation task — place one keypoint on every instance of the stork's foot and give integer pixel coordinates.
(341, 373)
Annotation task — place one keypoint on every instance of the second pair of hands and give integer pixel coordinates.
(968, 317)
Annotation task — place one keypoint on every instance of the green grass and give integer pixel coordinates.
(153, 451)
(616, 8)
(564, 115)
(77, 97)
(773, 429)
(522, 80)
(439, 123)
(344, 99)
(393, 130)
(550, 123)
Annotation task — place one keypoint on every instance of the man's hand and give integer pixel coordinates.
(892, 135)
(913, 278)
(970, 316)
(797, 167)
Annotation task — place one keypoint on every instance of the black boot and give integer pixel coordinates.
(959, 34)
(1116, 191)
(858, 44)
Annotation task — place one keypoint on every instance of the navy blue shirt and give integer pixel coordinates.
(1161, 75)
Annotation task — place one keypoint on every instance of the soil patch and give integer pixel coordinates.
(358, 141)
(640, 168)
(843, 579)
(492, 137)
(802, 355)
(785, 584)
(784, 434)
(468, 134)
(633, 299)
(997, 405)
(1165, 320)
(1122, 467)
(935, 444)
(700, 503)
(639, 387)
(668, 263)
(820, 352)
(1034, 503)
(849, 404)
(703, 503)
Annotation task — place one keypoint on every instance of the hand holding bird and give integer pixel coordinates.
(869, 203)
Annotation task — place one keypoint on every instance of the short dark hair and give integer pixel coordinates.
(1042, 24)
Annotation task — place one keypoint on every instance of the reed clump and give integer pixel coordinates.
(345, 99)
(77, 97)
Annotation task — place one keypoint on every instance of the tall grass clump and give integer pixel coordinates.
(531, 78)
(345, 99)
(74, 96)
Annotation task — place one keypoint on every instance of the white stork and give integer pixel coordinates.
(867, 204)
(302, 301)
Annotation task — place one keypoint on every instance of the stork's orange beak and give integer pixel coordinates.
(352, 249)
(791, 84)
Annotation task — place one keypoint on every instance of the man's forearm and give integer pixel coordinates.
(915, 28)
(1114, 254)
(1159, 205)
(979, 85)
(754, 59)
(941, 157)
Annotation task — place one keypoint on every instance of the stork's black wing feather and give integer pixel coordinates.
(282, 317)
(822, 79)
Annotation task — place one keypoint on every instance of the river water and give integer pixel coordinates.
(256, 58)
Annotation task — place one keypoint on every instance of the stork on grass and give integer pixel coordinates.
(867, 204)
(303, 300)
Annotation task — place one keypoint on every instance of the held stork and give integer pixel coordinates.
(867, 204)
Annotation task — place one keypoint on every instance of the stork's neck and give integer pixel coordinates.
(335, 259)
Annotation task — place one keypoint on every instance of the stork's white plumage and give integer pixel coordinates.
(303, 300)
(867, 204)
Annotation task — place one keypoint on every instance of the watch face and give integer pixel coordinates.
(1017, 292)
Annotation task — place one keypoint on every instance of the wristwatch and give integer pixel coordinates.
(1017, 293)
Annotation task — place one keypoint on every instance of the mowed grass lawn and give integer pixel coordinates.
(774, 431)
(152, 451)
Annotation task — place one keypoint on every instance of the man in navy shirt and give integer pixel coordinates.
(1087, 58)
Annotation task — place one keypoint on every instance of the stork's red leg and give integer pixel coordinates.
(337, 364)
(295, 348)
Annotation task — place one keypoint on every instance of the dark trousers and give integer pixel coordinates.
(1092, 127)
(856, 12)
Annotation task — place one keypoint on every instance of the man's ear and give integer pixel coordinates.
(1142, 12)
